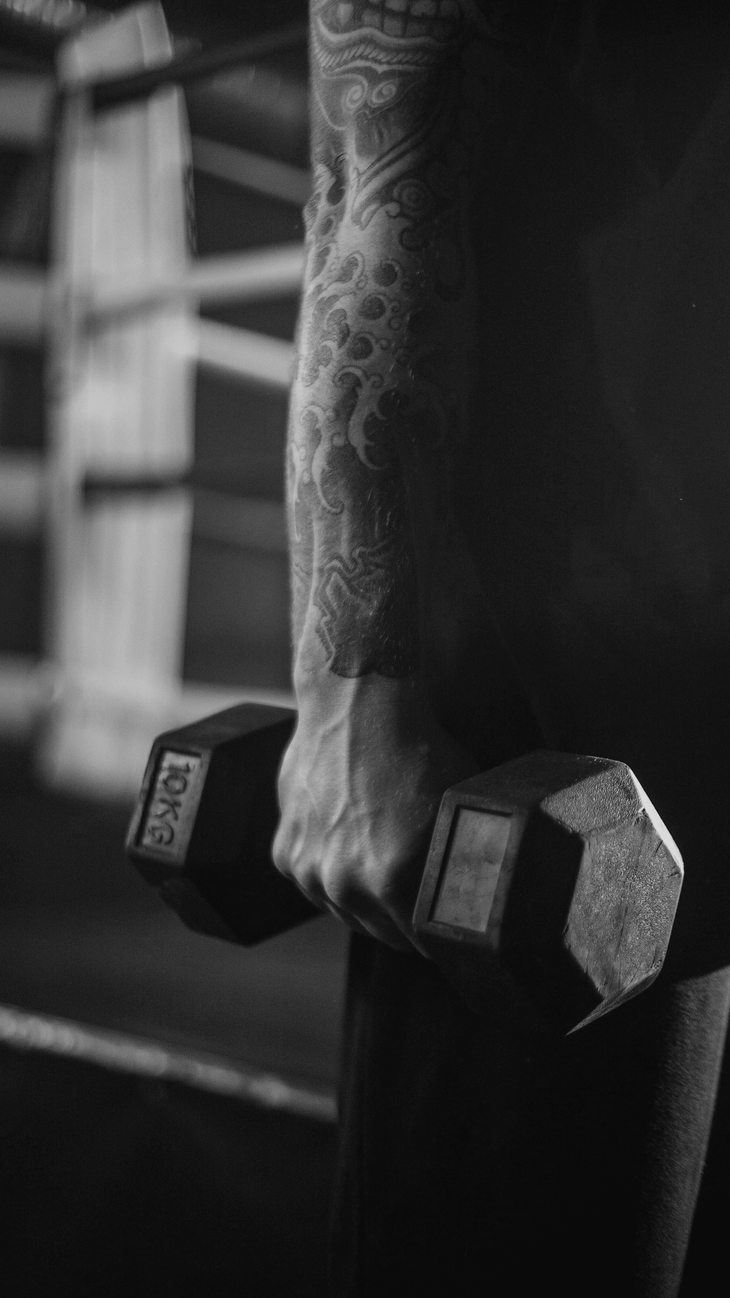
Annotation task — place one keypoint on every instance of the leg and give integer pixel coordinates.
(469, 1151)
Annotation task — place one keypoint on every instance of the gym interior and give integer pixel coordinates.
(168, 1100)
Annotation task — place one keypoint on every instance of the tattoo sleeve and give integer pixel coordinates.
(387, 333)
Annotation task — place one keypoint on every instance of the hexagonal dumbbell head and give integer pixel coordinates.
(205, 819)
(550, 889)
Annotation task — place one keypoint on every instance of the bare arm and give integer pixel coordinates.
(380, 406)
(387, 332)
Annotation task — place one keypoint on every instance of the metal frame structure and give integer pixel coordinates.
(75, 315)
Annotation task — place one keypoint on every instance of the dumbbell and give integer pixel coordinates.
(548, 894)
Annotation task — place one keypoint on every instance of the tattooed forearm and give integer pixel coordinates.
(388, 323)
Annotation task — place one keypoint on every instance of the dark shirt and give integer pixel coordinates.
(594, 491)
(596, 618)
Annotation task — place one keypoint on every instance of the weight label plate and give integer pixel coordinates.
(172, 805)
(471, 869)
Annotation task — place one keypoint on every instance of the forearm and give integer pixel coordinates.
(387, 338)
(380, 408)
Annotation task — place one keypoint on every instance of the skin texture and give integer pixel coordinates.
(385, 363)
(380, 406)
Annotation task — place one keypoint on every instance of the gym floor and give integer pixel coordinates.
(116, 1186)
(115, 1183)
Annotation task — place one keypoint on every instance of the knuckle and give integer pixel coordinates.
(282, 851)
(375, 882)
(339, 892)
(339, 882)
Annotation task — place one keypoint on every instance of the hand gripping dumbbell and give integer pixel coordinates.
(548, 895)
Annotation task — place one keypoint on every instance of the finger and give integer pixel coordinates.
(350, 921)
(401, 901)
(315, 893)
(361, 914)
(372, 918)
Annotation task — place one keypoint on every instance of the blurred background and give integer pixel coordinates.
(167, 1101)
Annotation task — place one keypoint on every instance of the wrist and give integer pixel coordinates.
(382, 730)
(394, 702)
